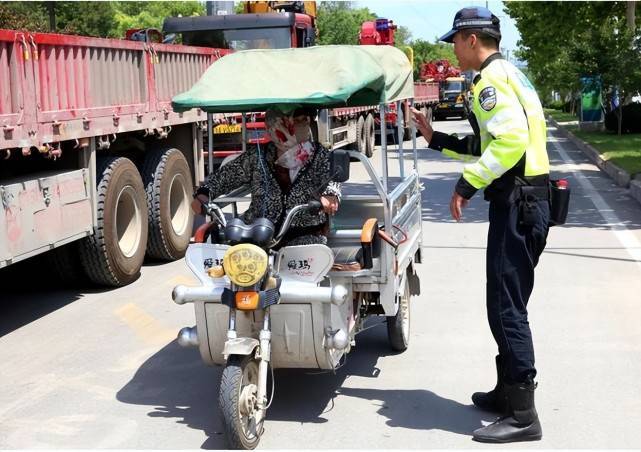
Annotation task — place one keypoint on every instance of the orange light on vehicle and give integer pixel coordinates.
(247, 301)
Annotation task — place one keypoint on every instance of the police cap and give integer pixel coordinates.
(475, 17)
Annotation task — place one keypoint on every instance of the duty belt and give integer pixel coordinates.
(538, 192)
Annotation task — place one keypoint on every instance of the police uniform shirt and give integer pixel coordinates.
(509, 129)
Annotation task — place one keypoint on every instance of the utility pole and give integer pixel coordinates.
(51, 9)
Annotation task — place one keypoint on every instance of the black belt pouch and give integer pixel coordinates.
(528, 197)
(559, 203)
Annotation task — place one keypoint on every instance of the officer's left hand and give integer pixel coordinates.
(457, 204)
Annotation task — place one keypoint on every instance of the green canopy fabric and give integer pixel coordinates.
(322, 77)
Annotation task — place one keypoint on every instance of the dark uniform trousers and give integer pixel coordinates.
(513, 251)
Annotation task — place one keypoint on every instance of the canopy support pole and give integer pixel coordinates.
(210, 143)
(413, 129)
(384, 145)
(399, 133)
(244, 130)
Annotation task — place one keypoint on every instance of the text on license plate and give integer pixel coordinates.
(228, 128)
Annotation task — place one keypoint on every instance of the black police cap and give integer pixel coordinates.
(475, 17)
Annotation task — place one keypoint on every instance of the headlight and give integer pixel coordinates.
(245, 264)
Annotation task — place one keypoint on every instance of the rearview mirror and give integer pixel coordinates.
(339, 166)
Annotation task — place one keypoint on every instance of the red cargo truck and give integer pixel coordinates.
(92, 153)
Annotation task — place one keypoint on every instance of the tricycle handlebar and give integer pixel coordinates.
(312, 206)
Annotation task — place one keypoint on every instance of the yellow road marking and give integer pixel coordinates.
(181, 279)
(144, 325)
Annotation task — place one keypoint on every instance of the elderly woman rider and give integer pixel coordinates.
(289, 171)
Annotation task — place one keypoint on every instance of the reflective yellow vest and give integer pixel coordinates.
(511, 124)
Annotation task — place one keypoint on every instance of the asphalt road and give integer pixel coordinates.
(101, 369)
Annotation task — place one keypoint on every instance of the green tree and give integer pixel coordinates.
(151, 14)
(86, 18)
(29, 16)
(100, 19)
(593, 38)
(402, 37)
(425, 51)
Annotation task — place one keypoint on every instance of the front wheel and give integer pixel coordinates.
(398, 326)
(238, 401)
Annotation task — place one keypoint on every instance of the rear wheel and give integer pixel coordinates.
(398, 326)
(370, 135)
(361, 143)
(168, 186)
(114, 254)
(239, 403)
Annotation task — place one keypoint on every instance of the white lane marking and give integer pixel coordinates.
(627, 239)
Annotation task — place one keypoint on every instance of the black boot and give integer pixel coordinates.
(523, 422)
(495, 400)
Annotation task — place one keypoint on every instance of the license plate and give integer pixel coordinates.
(443, 106)
(228, 128)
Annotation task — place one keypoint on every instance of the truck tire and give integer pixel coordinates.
(168, 185)
(361, 139)
(370, 135)
(113, 255)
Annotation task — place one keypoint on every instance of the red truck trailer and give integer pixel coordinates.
(92, 154)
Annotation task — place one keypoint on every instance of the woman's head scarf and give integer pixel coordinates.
(291, 134)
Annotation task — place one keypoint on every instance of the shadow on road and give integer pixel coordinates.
(30, 291)
(176, 384)
(420, 409)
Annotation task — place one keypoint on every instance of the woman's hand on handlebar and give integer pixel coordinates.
(198, 204)
(330, 204)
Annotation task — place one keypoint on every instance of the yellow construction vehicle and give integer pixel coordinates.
(308, 8)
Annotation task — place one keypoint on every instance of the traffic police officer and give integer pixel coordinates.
(513, 169)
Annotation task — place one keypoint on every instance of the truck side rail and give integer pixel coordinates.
(65, 87)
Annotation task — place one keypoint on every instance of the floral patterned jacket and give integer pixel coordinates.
(268, 199)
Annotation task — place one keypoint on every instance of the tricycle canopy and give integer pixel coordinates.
(286, 79)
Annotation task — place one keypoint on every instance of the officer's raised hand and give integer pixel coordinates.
(422, 124)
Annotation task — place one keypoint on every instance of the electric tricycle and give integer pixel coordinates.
(261, 306)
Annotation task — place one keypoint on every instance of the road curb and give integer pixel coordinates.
(621, 177)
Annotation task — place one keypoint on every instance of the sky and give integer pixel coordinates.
(429, 19)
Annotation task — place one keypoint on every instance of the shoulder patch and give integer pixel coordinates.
(487, 98)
